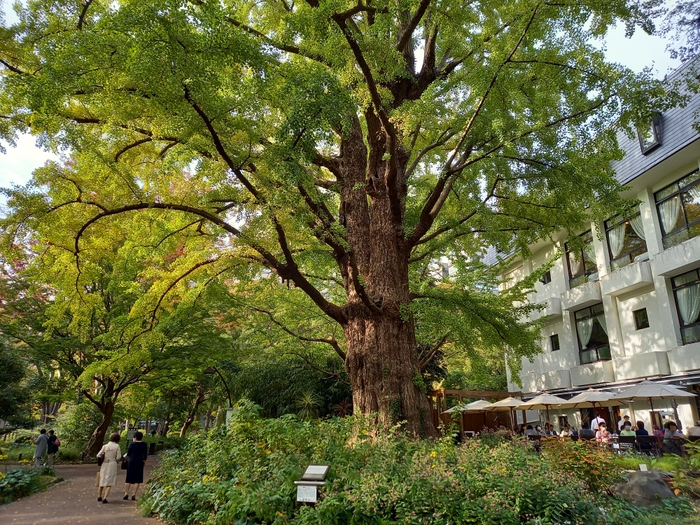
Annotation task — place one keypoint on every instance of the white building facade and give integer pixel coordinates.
(626, 306)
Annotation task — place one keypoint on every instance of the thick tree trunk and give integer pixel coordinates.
(382, 363)
(382, 355)
(98, 436)
(193, 413)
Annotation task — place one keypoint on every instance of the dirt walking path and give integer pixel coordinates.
(75, 501)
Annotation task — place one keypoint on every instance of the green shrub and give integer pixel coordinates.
(13, 452)
(76, 422)
(19, 482)
(246, 476)
(70, 453)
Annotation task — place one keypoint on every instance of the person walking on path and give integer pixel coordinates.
(54, 443)
(137, 455)
(108, 472)
(42, 445)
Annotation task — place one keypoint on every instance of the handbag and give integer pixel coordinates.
(125, 463)
(100, 459)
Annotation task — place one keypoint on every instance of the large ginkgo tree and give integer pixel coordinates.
(336, 150)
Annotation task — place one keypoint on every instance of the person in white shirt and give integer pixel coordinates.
(694, 431)
(597, 421)
(621, 424)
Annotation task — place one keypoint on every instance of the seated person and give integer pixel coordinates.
(603, 434)
(529, 431)
(672, 438)
(621, 424)
(641, 431)
(566, 432)
(627, 430)
(656, 431)
(694, 431)
(586, 433)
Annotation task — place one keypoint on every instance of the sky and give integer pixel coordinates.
(642, 50)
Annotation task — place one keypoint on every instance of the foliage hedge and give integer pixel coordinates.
(246, 476)
(19, 482)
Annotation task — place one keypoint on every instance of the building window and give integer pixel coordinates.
(581, 261)
(641, 319)
(650, 137)
(592, 331)
(626, 239)
(546, 277)
(554, 342)
(686, 290)
(678, 206)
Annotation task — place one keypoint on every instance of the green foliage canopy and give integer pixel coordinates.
(340, 146)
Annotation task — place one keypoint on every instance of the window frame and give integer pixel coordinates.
(675, 289)
(606, 356)
(551, 342)
(578, 280)
(631, 253)
(636, 320)
(672, 238)
(647, 146)
(546, 277)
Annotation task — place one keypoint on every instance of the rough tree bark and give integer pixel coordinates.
(382, 356)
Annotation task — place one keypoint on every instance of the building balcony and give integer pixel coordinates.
(592, 373)
(684, 358)
(584, 295)
(627, 279)
(550, 308)
(556, 379)
(648, 364)
(678, 259)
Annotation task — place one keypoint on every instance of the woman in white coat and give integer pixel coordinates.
(108, 472)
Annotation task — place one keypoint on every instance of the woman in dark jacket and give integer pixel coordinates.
(137, 454)
(53, 448)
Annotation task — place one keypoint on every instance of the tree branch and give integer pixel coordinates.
(327, 340)
(81, 18)
(130, 146)
(415, 20)
(429, 357)
(12, 68)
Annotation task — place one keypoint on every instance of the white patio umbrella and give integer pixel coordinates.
(650, 390)
(509, 404)
(456, 408)
(477, 406)
(543, 402)
(592, 399)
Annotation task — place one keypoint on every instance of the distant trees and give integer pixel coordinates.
(14, 396)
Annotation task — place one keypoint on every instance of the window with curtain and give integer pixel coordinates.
(626, 239)
(592, 334)
(686, 290)
(581, 261)
(678, 206)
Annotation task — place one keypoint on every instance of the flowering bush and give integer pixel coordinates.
(246, 476)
